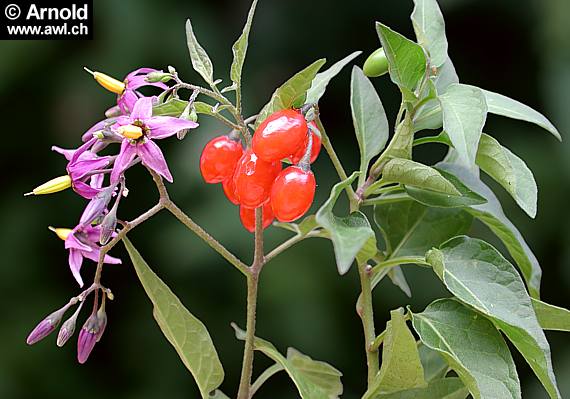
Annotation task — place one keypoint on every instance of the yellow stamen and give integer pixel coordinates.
(61, 232)
(130, 132)
(53, 186)
(109, 83)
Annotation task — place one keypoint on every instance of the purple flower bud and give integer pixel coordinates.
(46, 326)
(113, 111)
(90, 334)
(108, 226)
(68, 328)
(97, 205)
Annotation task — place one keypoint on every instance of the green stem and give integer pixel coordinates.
(288, 244)
(378, 341)
(385, 199)
(247, 364)
(336, 161)
(244, 391)
(366, 313)
(418, 260)
(263, 377)
(211, 241)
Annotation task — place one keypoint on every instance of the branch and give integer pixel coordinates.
(211, 241)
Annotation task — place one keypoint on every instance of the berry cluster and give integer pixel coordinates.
(254, 177)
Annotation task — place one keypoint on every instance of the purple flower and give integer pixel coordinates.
(90, 334)
(83, 166)
(139, 130)
(82, 243)
(135, 80)
(46, 326)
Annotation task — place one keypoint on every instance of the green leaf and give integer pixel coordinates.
(429, 26)
(401, 144)
(551, 317)
(509, 171)
(492, 215)
(200, 60)
(478, 275)
(472, 346)
(185, 332)
(505, 106)
(319, 373)
(369, 118)
(429, 116)
(218, 395)
(435, 366)
(401, 367)
(292, 91)
(442, 138)
(396, 275)
(171, 107)
(415, 174)
(440, 200)
(410, 228)
(348, 234)
(406, 59)
(239, 49)
(464, 114)
(446, 388)
(322, 79)
(313, 379)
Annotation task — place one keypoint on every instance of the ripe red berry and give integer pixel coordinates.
(230, 190)
(280, 135)
(247, 217)
(219, 158)
(292, 193)
(315, 148)
(253, 179)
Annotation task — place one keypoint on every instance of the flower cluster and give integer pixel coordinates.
(96, 171)
(254, 178)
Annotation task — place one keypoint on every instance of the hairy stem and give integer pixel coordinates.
(244, 391)
(207, 238)
(288, 244)
(367, 315)
(128, 227)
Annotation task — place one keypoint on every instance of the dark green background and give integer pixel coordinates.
(520, 48)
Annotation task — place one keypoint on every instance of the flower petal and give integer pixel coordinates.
(142, 109)
(77, 170)
(68, 154)
(84, 189)
(75, 262)
(139, 81)
(166, 126)
(125, 157)
(152, 157)
(88, 135)
(127, 101)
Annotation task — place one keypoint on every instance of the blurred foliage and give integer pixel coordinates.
(520, 48)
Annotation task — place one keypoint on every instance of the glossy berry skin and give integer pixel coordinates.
(219, 159)
(253, 179)
(230, 190)
(247, 217)
(280, 135)
(292, 193)
(315, 148)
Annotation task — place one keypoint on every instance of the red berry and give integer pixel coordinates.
(230, 190)
(315, 148)
(280, 135)
(219, 159)
(253, 179)
(292, 193)
(247, 217)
